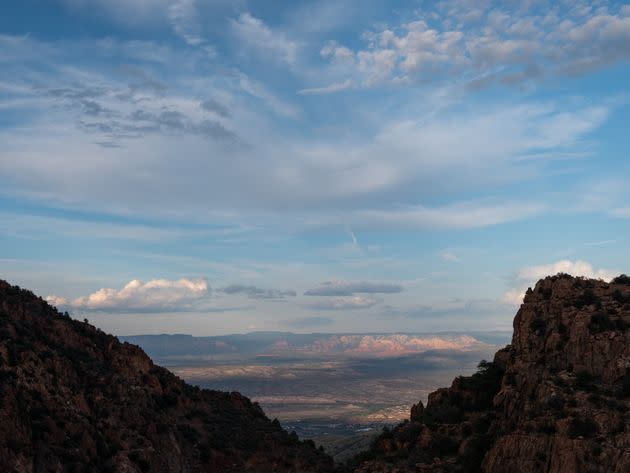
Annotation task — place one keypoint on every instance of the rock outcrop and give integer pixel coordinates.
(74, 399)
(555, 400)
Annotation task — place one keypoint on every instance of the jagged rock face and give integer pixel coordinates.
(74, 399)
(555, 400)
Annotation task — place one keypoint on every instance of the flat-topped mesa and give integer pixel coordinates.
(556, 399)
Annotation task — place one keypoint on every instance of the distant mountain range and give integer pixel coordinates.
(284, 344)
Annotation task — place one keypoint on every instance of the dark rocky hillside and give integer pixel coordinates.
(555, 400)
(74, 399)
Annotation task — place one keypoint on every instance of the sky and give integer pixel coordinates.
(215, 166)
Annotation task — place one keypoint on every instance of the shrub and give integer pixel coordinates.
(587, 298)
(474, 451)
(537, 325)
(622, 279)
(205, 452)
(556, 403)
(442, 414)
(408, 432)
(547, 427)
(600, 322)
(618, 296)
(582, 427)
(188, 432)
(594, 399)
(584, 381)
(486, 382)
(596, 449)
(562, 330)
(137, 458)
(545, 292)
(444, 445)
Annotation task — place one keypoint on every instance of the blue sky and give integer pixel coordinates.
(214, 166)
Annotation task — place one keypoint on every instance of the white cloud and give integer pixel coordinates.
(350, 288)
(526, 277)
(449, 256)
(461, 41)
(254, 33)
(381, 172)
(620, 212)
(56, 301)
(138, 296)
(184, 18)
(343, 303)
(454, 216)
(255, 292)
(258, 90)
(514, 296)
(327, 89)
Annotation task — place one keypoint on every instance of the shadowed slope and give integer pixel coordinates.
(75, 399)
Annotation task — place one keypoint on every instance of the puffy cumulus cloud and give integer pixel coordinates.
(574, 268)
(344, 303)
(57, 301)
(527, 276)
(254, 292)
(489, 44)
(349, 288)
(139, 296)
(514, 296)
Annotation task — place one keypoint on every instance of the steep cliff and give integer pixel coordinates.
(74, 399)
(555, 400)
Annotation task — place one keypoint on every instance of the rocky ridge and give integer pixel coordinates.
(555, 400)
(74, 399)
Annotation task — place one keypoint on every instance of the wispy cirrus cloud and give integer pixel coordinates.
(329, 89)
(230, 144)
(255, 34)
(356, 302)
(255, 292)
(349, 288)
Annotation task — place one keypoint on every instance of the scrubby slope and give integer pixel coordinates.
(74, 399)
